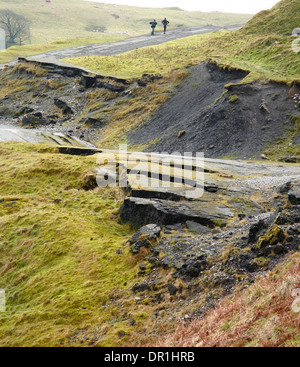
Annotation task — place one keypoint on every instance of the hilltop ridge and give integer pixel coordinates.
(280, 19)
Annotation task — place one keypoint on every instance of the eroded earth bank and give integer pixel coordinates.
(191, 250)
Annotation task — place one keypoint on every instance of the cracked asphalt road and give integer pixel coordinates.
(106, 49)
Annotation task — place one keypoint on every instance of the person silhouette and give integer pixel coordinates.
(153, 25)
(165, 22)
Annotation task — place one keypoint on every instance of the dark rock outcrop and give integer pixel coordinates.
(33, 119)
(197, 228)
(88, 81)
(294, 197)
(290, 215)
(144, 237)
(63, 106)
(94, 122)
(141, 211)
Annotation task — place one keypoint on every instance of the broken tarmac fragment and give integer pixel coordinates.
(139, 211)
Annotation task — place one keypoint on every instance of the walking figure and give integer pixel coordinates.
(165, 22)
(153, 25)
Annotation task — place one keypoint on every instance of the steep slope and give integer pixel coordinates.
(75, 275)
(281, 19)
(264, 315)
(239, 119)
(204, 116)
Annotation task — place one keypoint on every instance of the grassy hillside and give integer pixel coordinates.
(58, 247)
(63, 263)
(62, 19)
(260, 47)
(64, 268)
(281, 19)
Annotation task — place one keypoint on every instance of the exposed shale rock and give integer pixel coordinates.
(110, 83)
(209, 262)
(33, 119)
(58, 93)
(141, 211)
(144, 237)
(78, 151)
(294, 197)
(147, 78)
(216, 113)
(63, 106)
(260, 226)
(197, 228)
(291, 215)
(88, 81)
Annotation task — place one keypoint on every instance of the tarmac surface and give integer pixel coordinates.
(115, 48)
(13, 133)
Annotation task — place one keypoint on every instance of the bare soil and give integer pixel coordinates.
(239, 121)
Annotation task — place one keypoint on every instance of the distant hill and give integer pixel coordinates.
(62, 19)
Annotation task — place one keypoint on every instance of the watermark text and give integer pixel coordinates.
(179, 171)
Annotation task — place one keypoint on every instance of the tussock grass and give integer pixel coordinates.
(58, 245)
(261, 316)
(30, 69)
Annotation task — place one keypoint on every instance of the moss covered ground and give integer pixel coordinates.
(58, 264)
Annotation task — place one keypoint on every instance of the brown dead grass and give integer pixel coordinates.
(261, 316)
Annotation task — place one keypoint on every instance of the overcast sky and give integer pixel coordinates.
(229, 6)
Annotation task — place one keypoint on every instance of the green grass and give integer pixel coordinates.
(60, 263)
(58, 245)
(233, 99)
(162, 59)
(264, 58)
(28, 50)
(266, 54)
(283, 145)
(64, 262)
